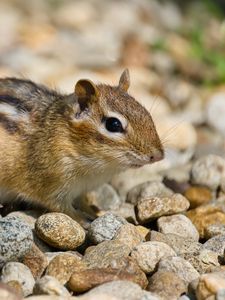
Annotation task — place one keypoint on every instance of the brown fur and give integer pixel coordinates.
(57, 146)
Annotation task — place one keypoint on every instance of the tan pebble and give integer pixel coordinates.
(205, 215)
(16, 286)
(36, 261)
(60, 231)
(62, 266)
(129, 235)
(152, 208)
(198, 195)
(210, 284)
(9, 293)
(167, 285)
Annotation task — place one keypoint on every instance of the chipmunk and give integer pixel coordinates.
(56, 147)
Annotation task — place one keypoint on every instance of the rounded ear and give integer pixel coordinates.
(86, 93)
(124, 82)
(85, 89)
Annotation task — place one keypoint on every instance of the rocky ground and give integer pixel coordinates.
(159, 231)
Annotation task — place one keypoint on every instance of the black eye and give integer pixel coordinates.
(113, 125)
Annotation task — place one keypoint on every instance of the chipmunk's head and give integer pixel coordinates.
(112, 128)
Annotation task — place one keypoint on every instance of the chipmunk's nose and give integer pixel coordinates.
(156, 155)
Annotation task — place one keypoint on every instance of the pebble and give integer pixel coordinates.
(84, 280)
(16, 239)
(127, 212)
(152, 208)
(60, 231)
(198, 195)
(105, 227)
(48, 285)
(63, 265)
(204, 261)
(213, 230)
(106, 253)
(148, 254)
(216, 244)
(104, 198)
(179, 266)
(179, 244)
(167, 285)
(7, 293)
(21, 273)
(148, 190)
(178, 224)
(130, 235)
(206, 215)
(121, 290)
(208, 171)
(36, 261)
(209, 285)
(215, 110)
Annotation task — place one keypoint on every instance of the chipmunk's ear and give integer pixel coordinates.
(86, 92)
(124, 82)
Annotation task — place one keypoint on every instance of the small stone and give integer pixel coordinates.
(152, 208)
(84, 280)
(204, 261)
(215, 110)
(179, 244)
(208, 171)
(121, 290)
(198, 195)
(15, 271)
(103, 198)
(178, 224)
(148, 190)
(8, 293)
(206, 215)
(48, 285)
(166, 285)
(127, 212)
(106, 253)
(16, 239)
(36, 261)
(179, 266)
(60, 231)
(51, 255)
(148, 254)
(213, 230)
(63, 266)
(209, 285)
(28, 216)
(216, 244)
(105, 227)
(130, 235)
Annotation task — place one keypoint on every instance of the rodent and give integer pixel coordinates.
(56, 147)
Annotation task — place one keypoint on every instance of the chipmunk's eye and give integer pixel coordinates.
(113, 125)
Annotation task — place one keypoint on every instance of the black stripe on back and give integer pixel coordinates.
(14, 102)
(10, 125)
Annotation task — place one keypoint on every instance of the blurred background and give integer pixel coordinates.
(175, 51)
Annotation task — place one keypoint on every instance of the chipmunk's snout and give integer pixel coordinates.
(156, 155)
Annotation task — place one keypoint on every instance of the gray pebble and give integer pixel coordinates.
(208, 171)
(16, 238)
(216, 244)
(148, 254)
(147, 190)
(179, 266)
(178, 224)
(105, 227)
(122, 290)
(21, 273)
